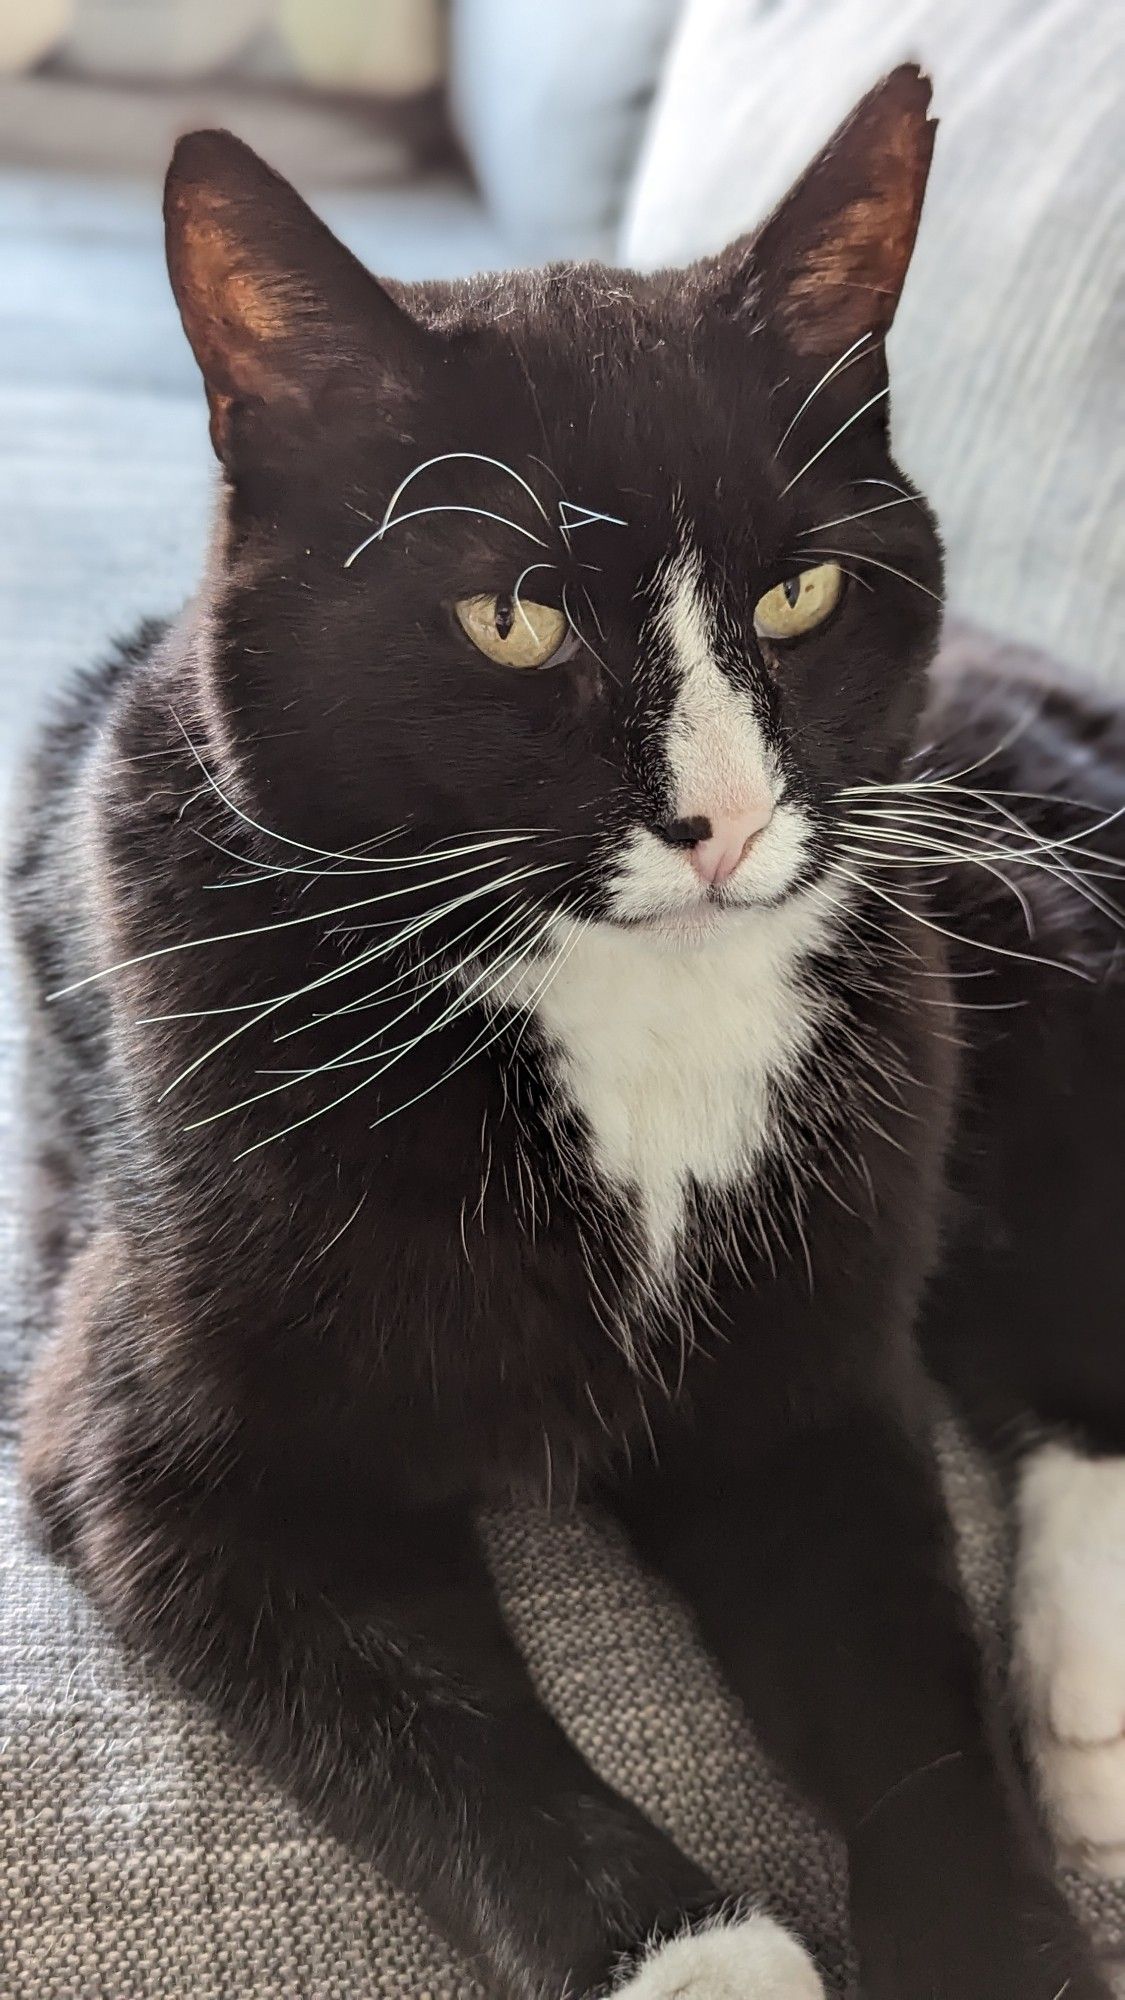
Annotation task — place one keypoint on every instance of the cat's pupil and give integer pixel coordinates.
(505, 616)
(792, 592)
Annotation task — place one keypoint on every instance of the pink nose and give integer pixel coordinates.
(732, 834)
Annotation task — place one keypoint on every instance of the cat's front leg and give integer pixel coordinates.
(743, 1957)
(358, 1655)
(1069, 1652)
(822, 1580)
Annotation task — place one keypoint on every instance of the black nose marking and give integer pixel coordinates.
(684, 832)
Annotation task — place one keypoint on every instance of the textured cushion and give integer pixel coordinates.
(1009, 351)
(139, 1858)
(550, 100)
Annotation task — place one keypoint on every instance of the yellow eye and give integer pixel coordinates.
(791, 609)
(514, 633)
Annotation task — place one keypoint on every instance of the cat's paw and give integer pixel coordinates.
(1069, 1658)
(748, 1959)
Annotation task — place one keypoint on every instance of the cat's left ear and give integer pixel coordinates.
(829, 264)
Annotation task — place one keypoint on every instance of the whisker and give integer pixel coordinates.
(502, 835)
(350, 1058)
(951, 838)
(980, 944)
(598, 626)
(892, 483)
(516, 591)
(426, 858)
(264, 930)
(336, 972)
(841, 520)
(965, 856)
(585, 517)
(363, 1084)
(853, 555)
(447, 507)
(444, 458)
(838, 433)
(580, 634)
(374, 998)
(828, 375)
(478, 1048)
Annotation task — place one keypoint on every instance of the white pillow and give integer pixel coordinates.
(1008, 353)
(550, 98)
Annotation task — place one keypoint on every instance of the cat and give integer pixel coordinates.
(510, 947)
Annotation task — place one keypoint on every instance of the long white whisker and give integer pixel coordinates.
(928, 923)
(1019, 726)
(845, 426)
(953, 839)
(584, 517)
(929, 811)
(854, 555)
(580, 634)
(364, 1084)
(963, 856)
(841, 520)
(366, 957)
(443, 458)
(447, 507)
(374, 998)
(516, 591)
(479, 1047)
(301, 847)
(350, 1058)
(828, 375)
(265, 930)
(428, 858)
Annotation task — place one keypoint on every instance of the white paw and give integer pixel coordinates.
(1069, 1661)
(749, 1960)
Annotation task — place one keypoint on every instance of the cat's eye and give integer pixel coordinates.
(513, 631)
(798, 606)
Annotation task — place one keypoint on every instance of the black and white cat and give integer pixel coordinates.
(541, 1002)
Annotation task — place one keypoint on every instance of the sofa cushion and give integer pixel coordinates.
(550, 101)
(1008, 357)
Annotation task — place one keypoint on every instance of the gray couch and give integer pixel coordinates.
(138, 1857)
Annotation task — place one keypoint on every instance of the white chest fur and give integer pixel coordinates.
(668, 1051)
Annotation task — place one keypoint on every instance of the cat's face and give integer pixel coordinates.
(621, 563)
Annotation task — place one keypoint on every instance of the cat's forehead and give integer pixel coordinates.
(614, 387)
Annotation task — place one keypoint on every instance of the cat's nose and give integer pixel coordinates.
(717, 842)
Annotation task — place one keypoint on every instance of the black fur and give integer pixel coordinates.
(282, 1380)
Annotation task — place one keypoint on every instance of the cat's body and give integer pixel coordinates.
(546, 1194)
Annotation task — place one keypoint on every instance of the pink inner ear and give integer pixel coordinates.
(833, 257)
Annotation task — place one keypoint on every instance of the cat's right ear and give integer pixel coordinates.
(278, 313)
(828, 266)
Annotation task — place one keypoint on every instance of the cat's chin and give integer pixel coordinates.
(688, 928)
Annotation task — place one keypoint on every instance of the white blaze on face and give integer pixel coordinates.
(720, 764)
(669, 1035)
(722, 771)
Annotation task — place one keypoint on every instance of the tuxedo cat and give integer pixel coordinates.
(547, 994)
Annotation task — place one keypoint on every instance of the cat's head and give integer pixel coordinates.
(620, 561)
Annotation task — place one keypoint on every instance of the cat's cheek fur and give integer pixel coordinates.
(753, 1959)
(1070, 1646)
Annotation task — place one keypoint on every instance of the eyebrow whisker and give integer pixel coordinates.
(448, 507)
(854, 555)
(836, 368)
(829, 442)
(516, 591)
(841, 520)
